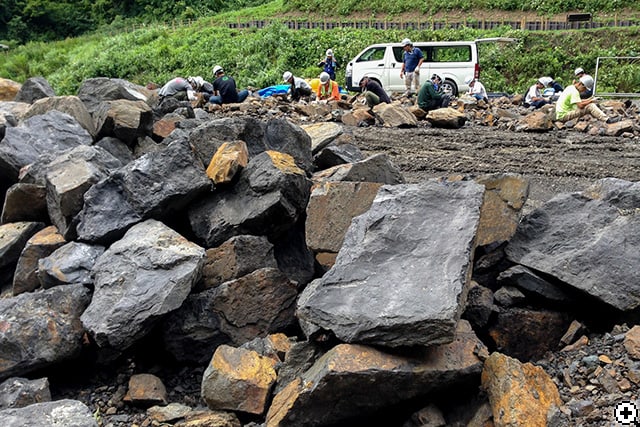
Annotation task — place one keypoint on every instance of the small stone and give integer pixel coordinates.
(604, 358)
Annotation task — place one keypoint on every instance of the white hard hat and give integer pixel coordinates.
(324, 77)
(546, 81)
(406, 42)
(468, 80)
(287, 76)
(578, 71)
(587, 81)
(329, 52)
(217, 69)
(192, 81)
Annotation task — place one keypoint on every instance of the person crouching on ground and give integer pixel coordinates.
(476, 89)
(299, 87)
(570, 106)
(327, 89)
(374, 94)
(178, 88)
(534, 97)
(430, 98)
(225, 90)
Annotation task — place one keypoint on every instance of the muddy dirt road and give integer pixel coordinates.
(554, 162)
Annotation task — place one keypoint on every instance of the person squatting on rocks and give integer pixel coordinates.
(201, 86)
(178, 88)
(225, 90)
(374, 94)
(579, 72)
(534, 97)
(431, 97)
(327, 89)
(550, 83)
(570, 106)
(476, 89)
(329, 64)
(412, 59)
(299, 87)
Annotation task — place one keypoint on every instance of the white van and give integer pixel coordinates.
(452, 61)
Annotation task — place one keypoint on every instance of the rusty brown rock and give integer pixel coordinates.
(228, 160)
(146, 390)
(519, 394)
(632, 342)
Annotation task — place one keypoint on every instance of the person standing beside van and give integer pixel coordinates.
(412, 59)
(329, 64)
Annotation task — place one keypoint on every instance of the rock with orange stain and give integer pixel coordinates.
(239, 380)
(146, 390)
(230, 158)
(520, 394)
(355, 380)
(40, 245)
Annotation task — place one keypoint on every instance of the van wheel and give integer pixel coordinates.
(450, 88)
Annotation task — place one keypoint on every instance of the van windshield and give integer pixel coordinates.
(373, 54)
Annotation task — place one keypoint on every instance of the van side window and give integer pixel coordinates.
(373, 54)
(397, 53)
(450, 54)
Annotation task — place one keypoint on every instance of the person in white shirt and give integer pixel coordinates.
(178, 88)
(476, 89)
(534, 97)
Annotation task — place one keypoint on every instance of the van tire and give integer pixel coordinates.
(449, 87)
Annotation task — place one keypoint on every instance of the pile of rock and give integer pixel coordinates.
(304, 284)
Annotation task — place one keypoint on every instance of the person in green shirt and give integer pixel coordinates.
(430, 95)
(570, 106)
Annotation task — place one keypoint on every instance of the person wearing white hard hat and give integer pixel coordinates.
(329, 64)
(476, 89)
(570, 106)
(578, 73)
(533, 97)
(327, 89)
(299, 87)
(201, 86)
(412, 59)
(225, 90)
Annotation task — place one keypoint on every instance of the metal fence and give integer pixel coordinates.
(438, 25)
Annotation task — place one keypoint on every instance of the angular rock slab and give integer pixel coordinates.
(68, 413)
(356, 380)
(377, 168)
(139, 279)
(588, 240)
(271, 194)
(39, 329)
(155, 185)
(401, 276)
(50, 133)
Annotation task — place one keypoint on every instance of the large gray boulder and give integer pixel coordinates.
(96, 90)
(34, 88)
(67, 413)
(270, 196)
(69, 176)
(71, 105)
(138, 280)
(276, 135)
(401, 276)
(588, 240)
(157, 185)
(49, 334)
(50, 133)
